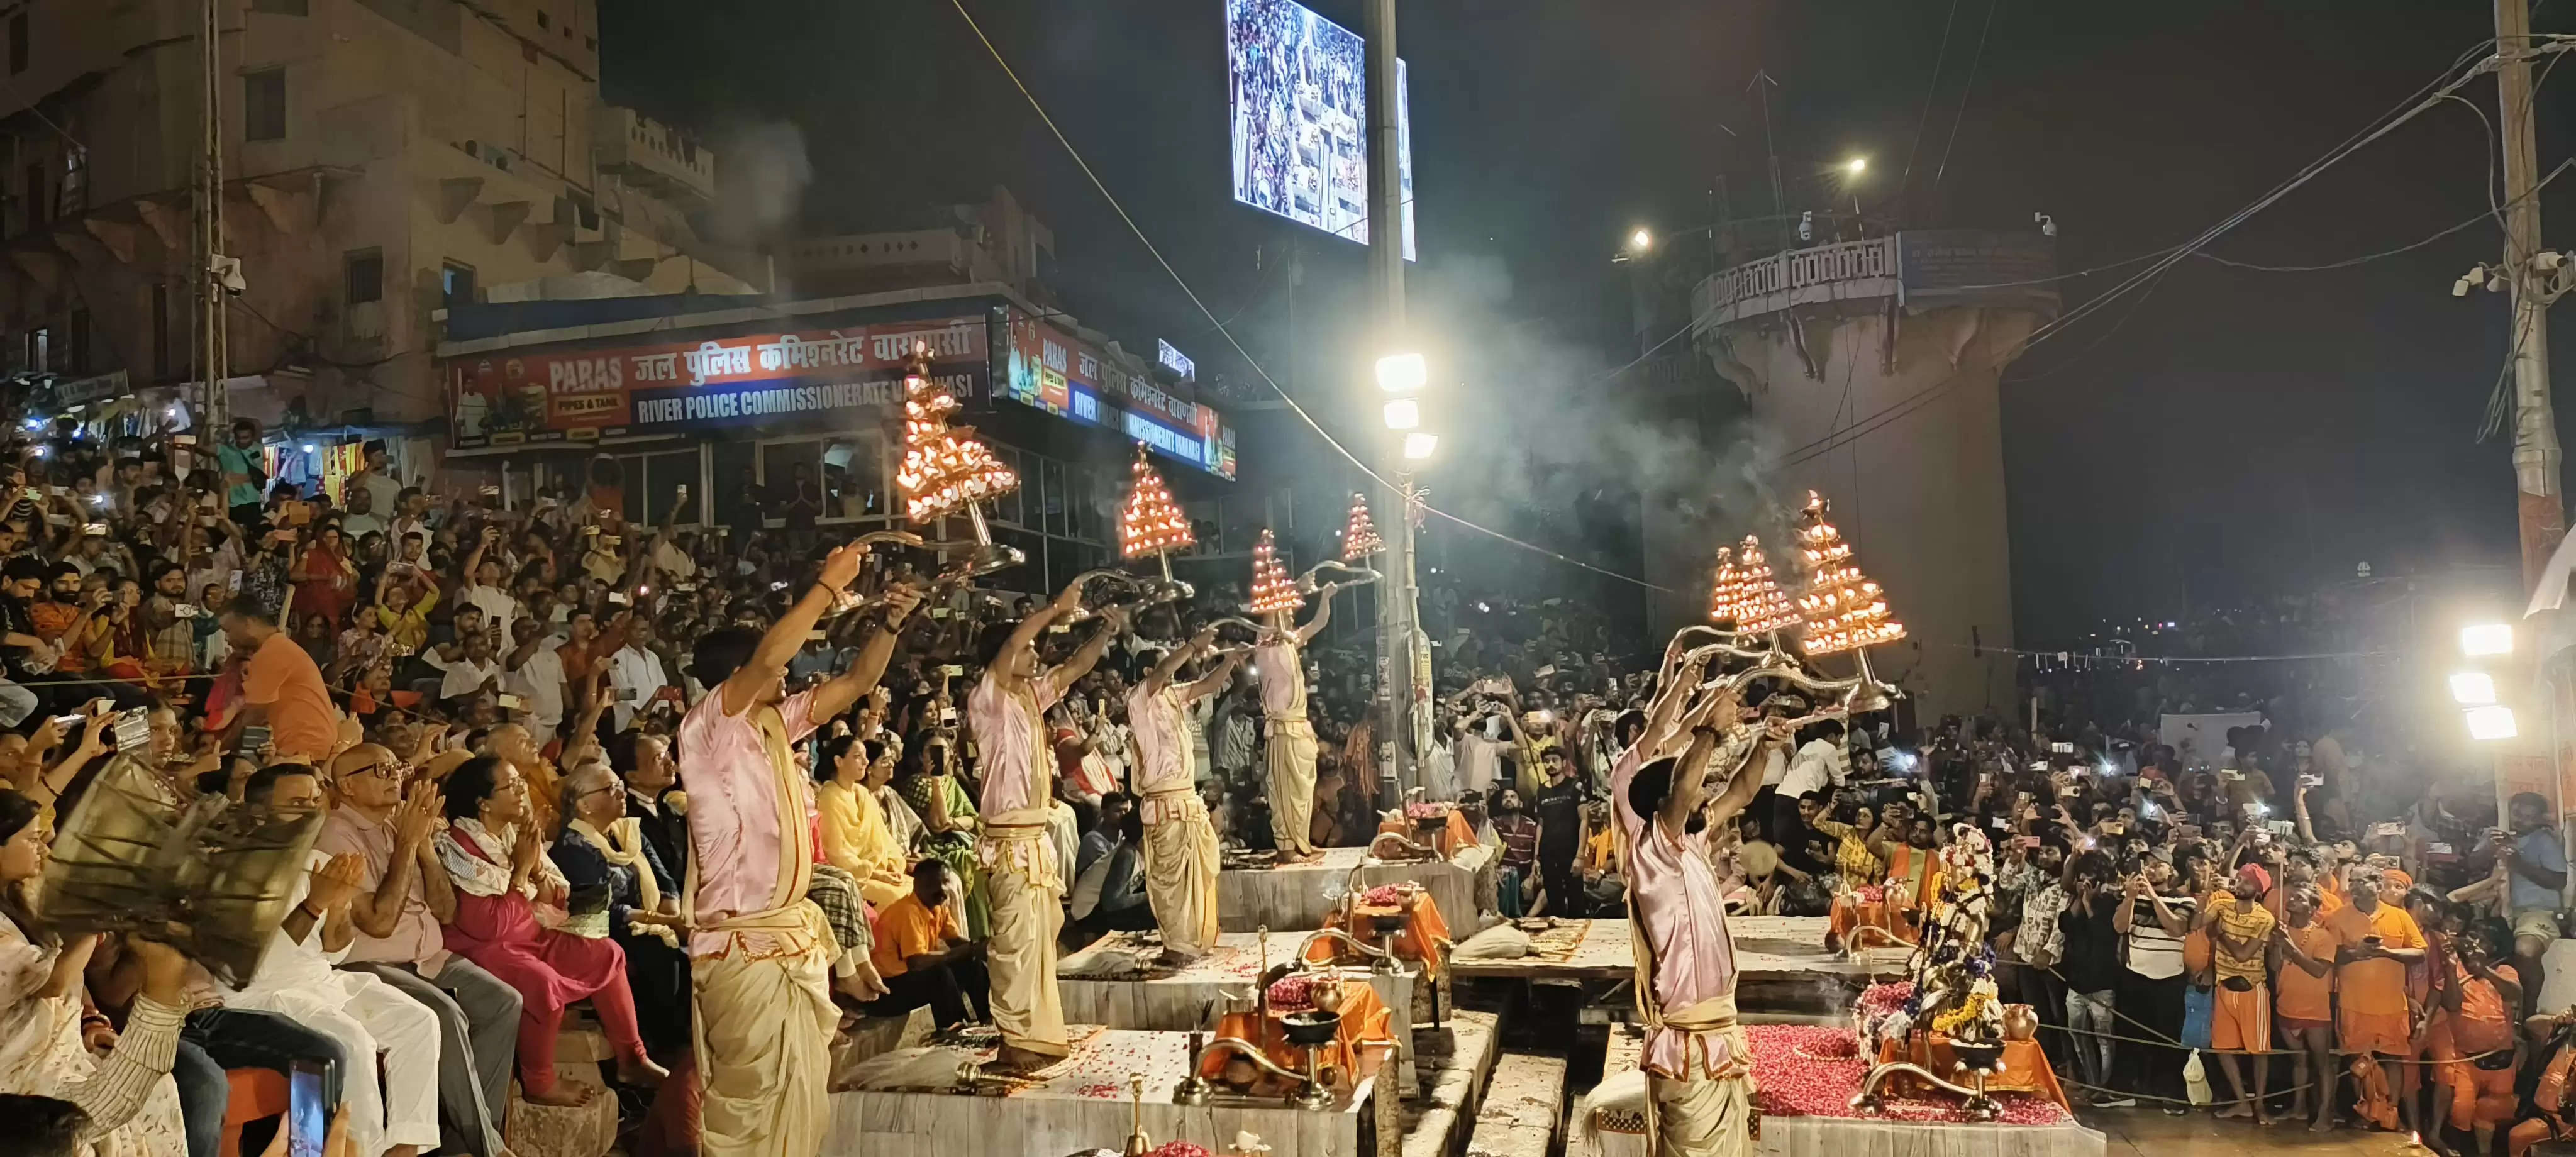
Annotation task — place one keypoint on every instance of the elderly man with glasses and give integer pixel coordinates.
(404, 894)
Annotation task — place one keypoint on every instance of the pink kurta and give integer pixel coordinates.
(1010, 742)
(1283, 680)
(1683, 914)
(1162, 745)
(733, 807)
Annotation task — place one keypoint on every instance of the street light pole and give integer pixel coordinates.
(1403, 656)
(2536, 455)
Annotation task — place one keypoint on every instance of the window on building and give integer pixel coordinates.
(18, 43)
(854, 478)
(40, 350)
(791, 474)
(650, 483)
(264, 105)
(543, 20)
(78, 333)
(366, 275)
(40, 197)
(282, 7)
(455, 284)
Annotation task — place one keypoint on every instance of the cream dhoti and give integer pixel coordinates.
(1028, 911)
(764, 1033)
(1706, 1111)
(1292, 785)
(1180, 870)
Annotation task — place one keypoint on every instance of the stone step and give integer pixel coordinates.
(1522, 1105)
(1453, 1082)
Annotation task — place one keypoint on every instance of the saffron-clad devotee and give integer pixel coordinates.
(760, 955)
(1180, 845)
(1007, 711)
(1280, 661)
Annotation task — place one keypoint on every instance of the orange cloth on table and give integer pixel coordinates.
(1419, 940)
(2025, 1066)
(1364, 1019)
(1454, 834)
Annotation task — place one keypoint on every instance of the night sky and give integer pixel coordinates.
(2233, 434)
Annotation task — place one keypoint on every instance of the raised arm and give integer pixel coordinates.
(838, 693)
(1216, 680)
(1164, 672)
(1113, 622)
(1323, 615)
(769, 660)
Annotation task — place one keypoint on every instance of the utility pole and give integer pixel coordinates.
(208, 348)
(1403, 655)
(2541, 514)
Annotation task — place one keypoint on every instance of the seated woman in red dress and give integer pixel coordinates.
(500, 870)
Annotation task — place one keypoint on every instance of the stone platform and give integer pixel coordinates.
(1297, 897)
(1781, 961)
(1079, 1103)
(1114, 982)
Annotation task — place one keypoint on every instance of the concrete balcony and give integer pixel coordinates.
(1920, 269)
(658, 158)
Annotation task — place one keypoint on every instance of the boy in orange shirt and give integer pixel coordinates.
(2303, 999)
(2240, 1018)
(2374, 942)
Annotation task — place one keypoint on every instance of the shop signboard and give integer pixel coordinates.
(1065, 376)
(588, 394)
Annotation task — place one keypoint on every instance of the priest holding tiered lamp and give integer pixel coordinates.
(1279, 660)
(1181, 862)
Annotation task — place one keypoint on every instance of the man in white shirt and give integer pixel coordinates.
(377, 481)
(1820, 762)
(635, 672)
(484, 566)
(537, 678)
(362, 519)
(1480, 753)
(469, 670)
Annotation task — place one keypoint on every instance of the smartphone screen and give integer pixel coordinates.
(308, 1117)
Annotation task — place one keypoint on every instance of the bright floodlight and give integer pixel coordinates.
(1641, 241)
(1402, 373)
(2490, 722)
(2486, 639)
(1418, 445)
(1403, 414)
(1856, 166)
(2473, 689)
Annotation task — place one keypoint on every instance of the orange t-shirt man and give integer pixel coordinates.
(2297, 996)
(909, 928)
(302, 724)
(2375, 1014)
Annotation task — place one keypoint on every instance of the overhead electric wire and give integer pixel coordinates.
(1965, 93)
(1201, 305)
(1929, 93)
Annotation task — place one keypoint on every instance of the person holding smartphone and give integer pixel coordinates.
(2374, 942)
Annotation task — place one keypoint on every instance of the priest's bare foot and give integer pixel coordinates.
(1172, 958)
(564, 1095)
(1014, 1060)
(2236, 1112)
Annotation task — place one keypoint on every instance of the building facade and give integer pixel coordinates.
(1873, 366)
(383, 160)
